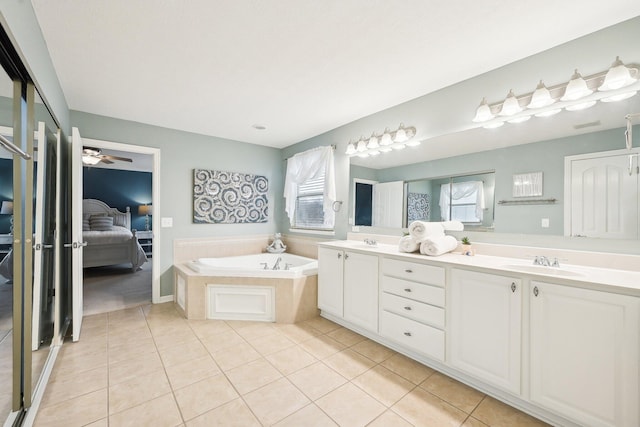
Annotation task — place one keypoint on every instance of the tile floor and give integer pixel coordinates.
(147, 366)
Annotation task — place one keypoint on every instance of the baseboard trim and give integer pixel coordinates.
(165, 298)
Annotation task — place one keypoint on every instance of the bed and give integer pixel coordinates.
(110, 240)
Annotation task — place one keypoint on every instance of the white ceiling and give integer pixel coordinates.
(298, 67)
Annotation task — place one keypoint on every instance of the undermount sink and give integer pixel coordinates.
(542, 269)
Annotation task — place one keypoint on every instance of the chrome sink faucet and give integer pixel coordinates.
(543, 260)
(276, 266)
(370, 242)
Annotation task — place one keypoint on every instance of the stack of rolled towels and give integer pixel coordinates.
(429, 237)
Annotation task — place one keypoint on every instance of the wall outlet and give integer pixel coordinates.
(545, 223)
(166, 222)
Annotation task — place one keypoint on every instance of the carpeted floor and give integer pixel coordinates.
(116, 287)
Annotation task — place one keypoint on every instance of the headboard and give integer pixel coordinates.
(93, 206)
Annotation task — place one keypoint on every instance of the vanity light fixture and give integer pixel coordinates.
(617, 83)
(385, 143)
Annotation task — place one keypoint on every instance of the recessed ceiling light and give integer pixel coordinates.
(259, 127)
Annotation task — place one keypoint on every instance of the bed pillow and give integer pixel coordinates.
(86, 226)
(101, 223)
(120, 220)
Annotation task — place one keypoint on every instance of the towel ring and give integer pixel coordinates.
(336, 206)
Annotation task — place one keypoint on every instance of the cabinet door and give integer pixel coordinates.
(485, 336)
(330, 288)
(584, 354)
(361, 290)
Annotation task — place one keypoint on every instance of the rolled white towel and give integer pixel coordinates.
(408, 244)
(453, 225)
(435, 246)
(420, 230)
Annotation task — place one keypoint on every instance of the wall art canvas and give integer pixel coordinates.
(229, 197)
(418, 207)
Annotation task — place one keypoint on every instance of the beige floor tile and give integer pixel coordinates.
(422, 408)
(322, 347)
(408, 368)
(309, 416)
(78, 411)
(253, 375)
(84, 346)
(350, 406)
(275, 401)
(171, 338)
(384, 385)
(198, 398)
(128, 369)
(132, 336)
(233, 414)
(240, 324)
(235, 356)
(73, 385)
(186, 373)
(349, 364)
(346, 336)
(256, 330)
(126, 315)
(183, 352)
(291, 359)
(472, 422)
(390, 419)
(317, 380)
(132, 351)
(298, 332)
(159, 412)
(459, 395)
(271, 343)
(495, 413)
(207, 328)
(374, 351)
(321, 324)
(221, 341)
(73, 363)
(137, 390)
(100, 423)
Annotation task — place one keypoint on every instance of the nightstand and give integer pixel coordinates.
(145, 238)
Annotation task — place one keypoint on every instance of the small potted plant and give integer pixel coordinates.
(467, 249)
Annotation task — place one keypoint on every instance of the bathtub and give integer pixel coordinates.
(254, 266)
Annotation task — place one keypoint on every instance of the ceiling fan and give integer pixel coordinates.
(93, 156)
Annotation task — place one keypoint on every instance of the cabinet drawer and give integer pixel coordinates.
(421, 312)
(417, 291)
(413, 271)
(411, 334)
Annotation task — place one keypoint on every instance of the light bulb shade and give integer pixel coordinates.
(483, 113)
(373, 142)
(398, 146)
(581, 106)
(351, 149)
(145, 210)
(401, 134)
(541, 97)
(520, 119)
(374, 152)
(618, 76)
(493, 125)
(576, 89)
(385, 149)
(619, 97)
(363, 155)
(510, 106)
(413, 143)
(549, 113)
(7, 208)
(362, 146)
(386, 138)
(90, 160)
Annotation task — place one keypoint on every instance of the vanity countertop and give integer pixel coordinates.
(604, 279)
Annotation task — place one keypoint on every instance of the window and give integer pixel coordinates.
(462, 201)
(309, 189)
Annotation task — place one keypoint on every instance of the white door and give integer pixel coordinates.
(38, 236)
(361, 290)
(388, 203)
(76, 232)
(484, 333)
(604, 197)
(330, 282)
(584, 354)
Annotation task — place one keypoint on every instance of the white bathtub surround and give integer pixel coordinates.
(256, 265)
(210, 247)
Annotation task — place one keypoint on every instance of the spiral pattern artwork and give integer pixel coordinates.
(229, 197)
(418, 207)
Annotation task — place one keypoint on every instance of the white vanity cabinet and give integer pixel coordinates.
(485, 334)
(585, 354)
(330, 281)
(348, 286)
(412, 305)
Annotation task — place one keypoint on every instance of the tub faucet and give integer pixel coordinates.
(276, 266)
(264, 265)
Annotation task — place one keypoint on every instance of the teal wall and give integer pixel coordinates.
(181, 153)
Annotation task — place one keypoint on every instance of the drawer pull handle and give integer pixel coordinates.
(408, 334)
(535, 291)
(339, 255)
(408, 270)
(513, 286)
(346, 256)
(407, 289)
(407, 308)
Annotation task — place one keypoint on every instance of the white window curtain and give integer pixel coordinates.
(311, 164)
(472, 190)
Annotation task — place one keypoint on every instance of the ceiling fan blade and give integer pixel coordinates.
(122, 159)
(106, 161)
